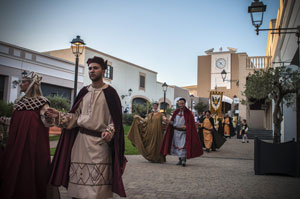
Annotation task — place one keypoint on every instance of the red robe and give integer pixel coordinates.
(60, 166)
(25, 164)
(192, 141)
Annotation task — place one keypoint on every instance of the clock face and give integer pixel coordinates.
(220, 63)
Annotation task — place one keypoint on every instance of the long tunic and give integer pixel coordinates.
(208, 138)
(147, 135)
(178, 143)
(91, 163)
(226, 126)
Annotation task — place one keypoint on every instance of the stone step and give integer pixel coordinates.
(261, 134)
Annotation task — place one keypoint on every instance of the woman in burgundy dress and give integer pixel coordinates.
(24, 166)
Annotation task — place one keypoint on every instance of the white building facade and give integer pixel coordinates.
(58, 74)
(285, 51)
(124, 76)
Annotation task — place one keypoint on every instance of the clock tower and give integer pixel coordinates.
(210, 68)
(220, 61)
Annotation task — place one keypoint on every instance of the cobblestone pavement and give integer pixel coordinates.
(227, 173)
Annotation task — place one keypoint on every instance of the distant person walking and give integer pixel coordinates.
(244, 131)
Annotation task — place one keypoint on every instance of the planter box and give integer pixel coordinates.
(281, 158)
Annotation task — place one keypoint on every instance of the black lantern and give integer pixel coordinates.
(256, 11)
(129, 92)
(77, 46)
(223, 74)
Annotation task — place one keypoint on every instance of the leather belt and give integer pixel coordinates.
(90, 132)
(179, 129)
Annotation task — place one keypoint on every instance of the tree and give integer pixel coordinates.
(200, 107)
(59, 102)
(279, 84)
(141, 109)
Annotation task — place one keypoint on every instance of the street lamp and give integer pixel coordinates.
(165, 87)
(129, 94)
(261, 9)
(191, 96)
(77, 46)
(224, 74)
(256, 11)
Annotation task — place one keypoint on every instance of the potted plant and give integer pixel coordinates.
(280, 86)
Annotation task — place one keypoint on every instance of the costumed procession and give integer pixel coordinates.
(89, 160)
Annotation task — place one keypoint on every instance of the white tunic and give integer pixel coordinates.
(91, 163)
(178, 143)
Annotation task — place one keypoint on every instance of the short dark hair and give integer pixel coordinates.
(244, 120)
(208, 112)
(98, 60)
(155, 103)
(182, 99)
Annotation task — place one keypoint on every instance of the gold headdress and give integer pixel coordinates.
(34, 89)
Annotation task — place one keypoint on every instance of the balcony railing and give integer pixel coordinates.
(259, 62)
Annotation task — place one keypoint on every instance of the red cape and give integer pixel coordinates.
(60, 165)
(192, 140)
(26, 161)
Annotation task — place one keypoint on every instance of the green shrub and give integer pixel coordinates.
(127, 119)
(6, 109)
(60, 103)
(141, 109)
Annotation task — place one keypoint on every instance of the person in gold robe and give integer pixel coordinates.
(212, 139)
(228, 127)
(208, 127)
(147, 135)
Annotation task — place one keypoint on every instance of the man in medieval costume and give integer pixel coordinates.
(228, 127)
(89, 160)
(212, 139)
(147, 135)
(181, 137)
(25, 164)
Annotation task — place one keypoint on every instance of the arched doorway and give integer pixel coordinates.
(163, 105)
(140, 106)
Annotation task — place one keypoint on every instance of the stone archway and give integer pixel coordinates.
(161, 103)
(139, 101)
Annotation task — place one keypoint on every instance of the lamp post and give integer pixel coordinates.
(257, 8)
(77, 46)
(165, 87)
(191, 96)
(129, 93)
(224, 74)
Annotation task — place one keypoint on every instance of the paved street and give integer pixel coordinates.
(227, 173)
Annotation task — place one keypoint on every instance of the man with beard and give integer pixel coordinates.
(181, 137)
(89, 159)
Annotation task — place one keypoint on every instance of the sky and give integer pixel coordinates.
(165, 36)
